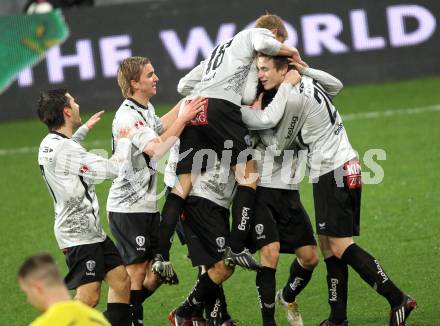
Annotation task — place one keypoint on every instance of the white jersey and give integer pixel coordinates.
(312, 122)
(277, 171)
(216, 184)
(224, 73)
(136, 192)
(70, 173)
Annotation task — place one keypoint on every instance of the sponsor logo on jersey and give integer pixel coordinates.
(46, 149)
(339, 129)
(90, 265)
(291, 127)
(139, 124)
(84, 169)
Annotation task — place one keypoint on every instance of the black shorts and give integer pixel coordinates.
(203, 141)
(206, 227)
(280, 216)
(136, 235)
(90, 263)
(338, 204)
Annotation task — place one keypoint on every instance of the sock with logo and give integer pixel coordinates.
(170, 215)
(204, 292)
(298, 279)
(224, 305)
(337, 283)
(136, 309)
(242, 213)
(213, 312)
(370, 270)
(118, 314)
(265, 282)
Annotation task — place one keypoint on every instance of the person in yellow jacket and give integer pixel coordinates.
(40, 279)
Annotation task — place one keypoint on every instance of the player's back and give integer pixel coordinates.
(323, 133)
(226, 70)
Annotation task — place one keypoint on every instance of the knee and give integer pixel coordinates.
(122, 284)
(269, 254)
(136, 272)
(309, 261)
(338, 245)
(221, 272)
(90, 298)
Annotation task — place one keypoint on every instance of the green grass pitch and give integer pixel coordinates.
(400, 216)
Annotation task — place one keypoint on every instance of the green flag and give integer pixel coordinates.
(24, 40)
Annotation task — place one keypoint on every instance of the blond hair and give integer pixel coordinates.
(271, 22)
(130, 69)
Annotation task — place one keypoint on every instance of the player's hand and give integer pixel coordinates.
(94, 119)
(192, 107)
(296, 57)
(258, 102)
(300, 66)
(292, 77)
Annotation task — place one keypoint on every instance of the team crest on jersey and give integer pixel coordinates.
(220, 243)
(84, 169)
(90, 265)
(140, 240)
(139, 124)
(259, 228)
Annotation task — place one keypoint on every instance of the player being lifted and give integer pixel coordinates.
(311, 122)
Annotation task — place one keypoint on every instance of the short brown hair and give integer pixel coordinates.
(279, 62)
(130, 69)
(51, 106)
(270, 22)
(42, 267)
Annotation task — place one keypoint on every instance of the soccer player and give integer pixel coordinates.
(311, 120)
(220, 127)
(40, 279)
(281, 225)
(132, 202)
(70, 173)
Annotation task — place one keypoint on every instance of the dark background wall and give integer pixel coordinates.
(358, 41)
